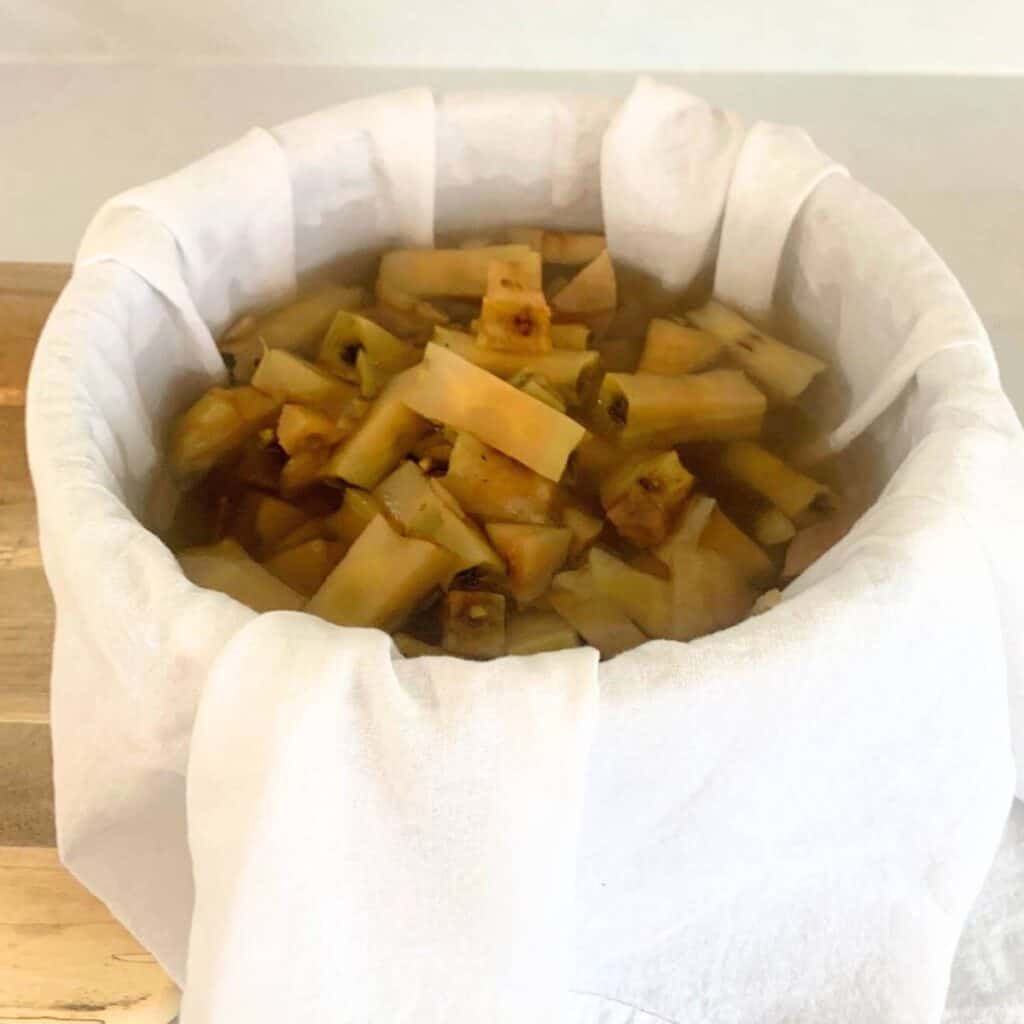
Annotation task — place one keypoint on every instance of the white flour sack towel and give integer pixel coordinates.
(786, 821)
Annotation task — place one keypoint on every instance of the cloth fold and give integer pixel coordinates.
(383, 840)
(784, 822)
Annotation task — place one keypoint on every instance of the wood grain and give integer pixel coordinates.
(34, 278)
(27, 292)
(64, 957)
(26, 785)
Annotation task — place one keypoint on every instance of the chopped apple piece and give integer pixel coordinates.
(405, 325)
(381, 579)
(296, 327)
(783, 372)
(302, 470)
(382, 439)
(750, 511)
(648, 562)
(227, 568)
(584, 527)
(708, 592)
(672, 348)
(293, 379)
(532, 238)
(262, 520)
(618, 355)
(571, 247)
(318, 528)
(600, 622)
(770, 527)
(536, 385)
(555, 285)
(570, 337)
(505, 274)
(494, 487)
(533, 631)
(592, 290)
(646, 599)
(473, 623)
(655, 472)
(216, 425)
(647, 408)
(395, 298)
(454, 272)
(643, 496)
(689, 528)
(425, 509)
(729, 596)
(462, 442)
(800, 498)
(300, 428)
(260, 462)
(356, 348)
(709, 588)
(514, 317)
(568, 371)
(533, 555)
(305, 566)
(358, 510)
(594, 459)
(722, 535)
(453, 391)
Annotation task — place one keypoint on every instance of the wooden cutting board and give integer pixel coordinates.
(63, 958)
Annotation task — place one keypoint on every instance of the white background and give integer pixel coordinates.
(733, 35)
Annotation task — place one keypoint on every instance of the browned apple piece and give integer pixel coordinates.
(798, 496)
(494, 487)
(514, 317)
(642, 497)
(533, 554)
(296, 327)
(473, 623)
(262, 520)
(781, 371)
(215, 426)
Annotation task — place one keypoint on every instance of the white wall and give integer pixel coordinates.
(801, 35)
